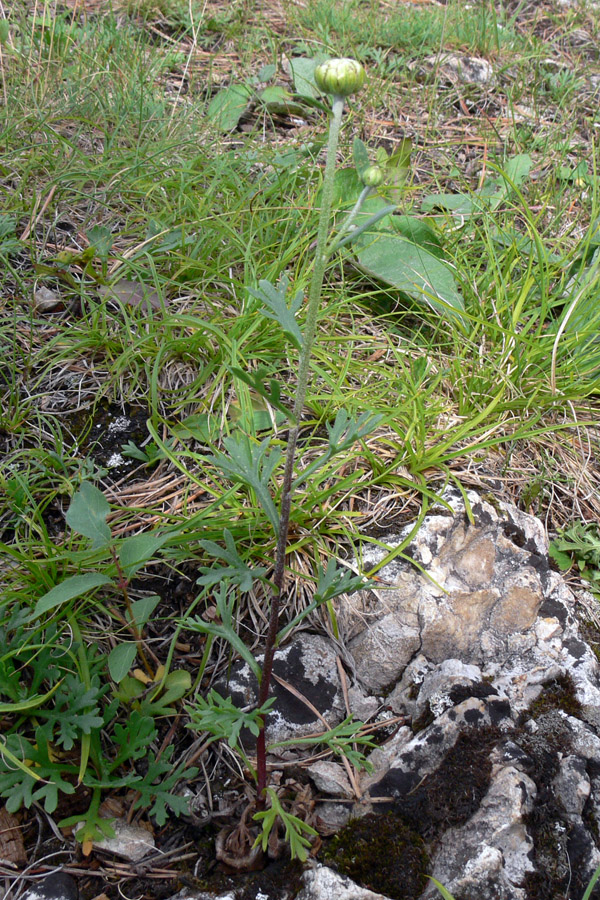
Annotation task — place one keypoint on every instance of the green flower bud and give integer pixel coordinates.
(372, 177)
(340, 77)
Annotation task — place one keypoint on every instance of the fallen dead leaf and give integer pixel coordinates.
(132, 293)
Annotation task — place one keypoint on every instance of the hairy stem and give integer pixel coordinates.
(310, 330)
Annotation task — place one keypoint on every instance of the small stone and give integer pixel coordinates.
(332, 817)
(330, 778)
(546, 629)
(57, 886)
(130, 841)
(44, 299)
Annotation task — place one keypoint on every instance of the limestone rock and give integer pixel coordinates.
(453, 67)
(482, 651)
(130, 841)
(330, 778)
(309, 664)
(57, 886)
(322, 883)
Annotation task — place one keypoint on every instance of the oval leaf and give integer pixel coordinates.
(229, 105)
(135, 551)
(410, 269)
(120, 660)
(69, 589)
(87, 514)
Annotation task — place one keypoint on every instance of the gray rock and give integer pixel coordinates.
(332, 817)
(309, 664)
(467, 647)
(57, 886)
(321, 883)
(187, 894)
(330, 778)
(130, 841)
(453, 67)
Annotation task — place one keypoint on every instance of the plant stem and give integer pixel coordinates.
(310, 330)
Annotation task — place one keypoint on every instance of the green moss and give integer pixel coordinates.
(557, 694)
(383, 854)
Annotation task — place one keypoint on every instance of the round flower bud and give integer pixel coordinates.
(372, 177)
(340, 77)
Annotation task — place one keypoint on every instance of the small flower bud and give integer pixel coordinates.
(372, 177)
(340, 77)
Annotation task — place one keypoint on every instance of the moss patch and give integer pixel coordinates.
(557, 694)
(383, 854)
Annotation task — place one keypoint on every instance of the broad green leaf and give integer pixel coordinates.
(142, 609)
(346, 188)
(400, 158)
(135, 551)
(199, 427)
(101, 238)
(229, 105)
(274, 93)
(518, 167)
(411, 269)
(175, 686)
(120, 660)
(418, 232)
(69, 589)
(303, 76)
(266, 72)
(360, 156)
(458, 204)
(87, 514)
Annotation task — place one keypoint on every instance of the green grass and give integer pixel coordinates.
(106, 144)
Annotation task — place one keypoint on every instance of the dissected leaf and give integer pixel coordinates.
(250, 464)
(274, 299)
(237, 570)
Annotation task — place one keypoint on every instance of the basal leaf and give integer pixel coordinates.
(87, 514)
(142, 609)
(135, 551)
(120, 660)
(303, 76)
(228, 106)
(69, 589)
(411, 269)
(360, 156)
